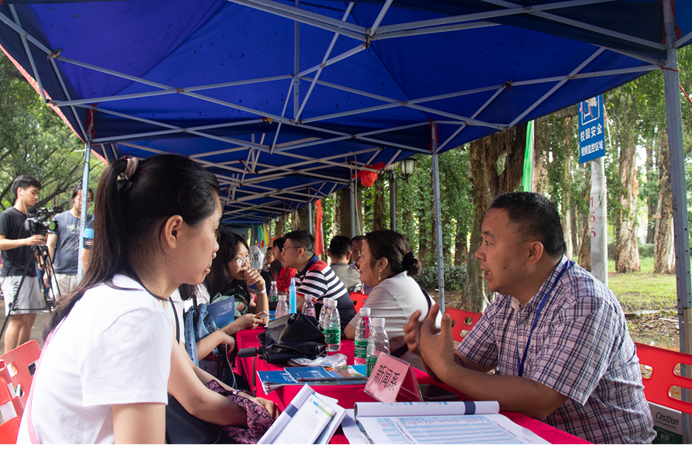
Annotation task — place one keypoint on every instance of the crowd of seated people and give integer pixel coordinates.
(554, 336)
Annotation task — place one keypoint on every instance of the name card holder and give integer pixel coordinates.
(393, 380)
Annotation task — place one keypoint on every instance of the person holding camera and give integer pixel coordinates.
(63, 244)
(16, 241)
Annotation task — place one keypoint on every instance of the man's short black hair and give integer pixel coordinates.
(302, 239)
(535, 217)
(279, 243)
(357, 238)
(24, 181)
(339, 246)
(78, 189)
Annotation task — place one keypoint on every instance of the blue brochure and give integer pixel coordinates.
(223, 311)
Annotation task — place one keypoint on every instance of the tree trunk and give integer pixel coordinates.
(664, 256)
(585, 248)
(626, 240)
(343, 212)
(461, 249)
(652, 200)
(484, 155)
(380, 209)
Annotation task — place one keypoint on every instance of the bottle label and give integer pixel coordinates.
(372, 359)
(361, 349)
(333, 336)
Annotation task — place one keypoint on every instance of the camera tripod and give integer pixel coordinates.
(40, 254)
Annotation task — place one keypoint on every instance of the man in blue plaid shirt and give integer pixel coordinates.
(555, 335)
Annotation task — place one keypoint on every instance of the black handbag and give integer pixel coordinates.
(290, 337)
(183, 428)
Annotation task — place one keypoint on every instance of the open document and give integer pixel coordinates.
(310, 418)
(433, 423)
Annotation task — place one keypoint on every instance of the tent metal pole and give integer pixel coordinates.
(85, 205)
(30, 56)
(557, 87)
(678, 186)
(296, 67)
(310, 219)
(392, 200)
(323, 64)
(352, 193)
(438, 216)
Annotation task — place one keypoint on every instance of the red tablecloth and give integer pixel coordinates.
(348, 395)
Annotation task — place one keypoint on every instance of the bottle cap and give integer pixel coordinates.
(293, 281)
(282, 297)
(377, 321)
(308, 298)
(364, 312)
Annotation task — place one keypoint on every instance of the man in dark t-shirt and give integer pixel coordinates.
(15, 248)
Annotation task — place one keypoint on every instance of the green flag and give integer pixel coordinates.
(526, 182)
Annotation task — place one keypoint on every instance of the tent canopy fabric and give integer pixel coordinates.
(286, 101)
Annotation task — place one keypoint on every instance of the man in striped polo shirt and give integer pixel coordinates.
(315, 277)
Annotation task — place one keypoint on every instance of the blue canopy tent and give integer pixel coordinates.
(286, 101)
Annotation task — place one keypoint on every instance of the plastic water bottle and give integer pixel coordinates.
(323, 314)
(292, 296)
(333, 331)
(378, 342)
(281, 307)
(362, 336)
(273, 293)
(309, 307)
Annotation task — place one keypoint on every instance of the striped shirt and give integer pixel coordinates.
(580, 347)
(319, 281)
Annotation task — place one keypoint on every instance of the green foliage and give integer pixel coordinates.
(455, 276)
(35, 141)
(643, 290)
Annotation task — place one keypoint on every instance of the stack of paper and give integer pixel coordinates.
(319, 376)
(310, 418)
(433, 423)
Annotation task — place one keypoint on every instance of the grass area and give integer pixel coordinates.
(644, 289)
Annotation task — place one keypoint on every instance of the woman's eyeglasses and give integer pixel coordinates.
(242, 261)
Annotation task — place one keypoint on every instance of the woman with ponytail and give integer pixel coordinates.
(110, 346)
(387, 265)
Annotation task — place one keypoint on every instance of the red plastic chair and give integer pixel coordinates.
(463, 322)
(10, 414)
(358, 300)
(663, 362)
(21, 367)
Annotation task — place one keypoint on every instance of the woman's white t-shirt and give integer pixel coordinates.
(113, 348)
(396, 299)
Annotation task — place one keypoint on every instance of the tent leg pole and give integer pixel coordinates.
(85, 205)
(352, 194)
(310, 218)
(392, 200)
(680, 220)
(438, 217)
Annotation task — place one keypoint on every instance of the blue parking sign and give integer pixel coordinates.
(591, 129)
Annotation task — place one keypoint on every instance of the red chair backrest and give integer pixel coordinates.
(10, 410)
(464, 321)
(358, 299)
(21, 367)
(663, 377)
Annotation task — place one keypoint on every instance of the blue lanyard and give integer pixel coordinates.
(520, 363)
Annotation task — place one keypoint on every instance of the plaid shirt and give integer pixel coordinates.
(580, 347)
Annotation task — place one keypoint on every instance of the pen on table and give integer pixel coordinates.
(331, 380)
